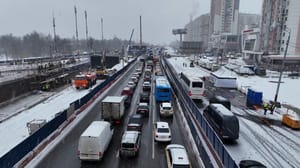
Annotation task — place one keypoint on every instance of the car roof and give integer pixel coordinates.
(162, 124)
(129, 136)
(166, 104)
(178, 153)
(136, 116)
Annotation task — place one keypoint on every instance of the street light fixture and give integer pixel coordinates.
(282, 65)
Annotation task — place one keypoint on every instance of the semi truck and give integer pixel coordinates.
(113, 108)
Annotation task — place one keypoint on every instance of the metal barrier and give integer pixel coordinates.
(191, 111)
(18, 152)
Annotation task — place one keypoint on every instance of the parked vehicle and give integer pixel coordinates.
(223, 121)
(166, 109)
(143, 109)
(162, 132)
(177, 156)
(145, 97)
(113, 108)
(130, 143)
(135, 123)
(94, 141)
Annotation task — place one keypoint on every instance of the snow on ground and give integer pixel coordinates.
(14, 130)
(274, 146)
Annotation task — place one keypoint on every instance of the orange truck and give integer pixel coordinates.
(84, 81)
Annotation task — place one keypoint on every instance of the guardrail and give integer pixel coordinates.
(21, 150)
(200, 128)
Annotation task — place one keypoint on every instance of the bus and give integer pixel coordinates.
(162, 89)
(193, 85)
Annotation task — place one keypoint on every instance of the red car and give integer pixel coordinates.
(128, 91)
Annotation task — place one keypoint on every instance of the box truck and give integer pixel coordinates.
(113, 108)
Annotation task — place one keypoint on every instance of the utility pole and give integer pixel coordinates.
(102, 29)
(282, 66)
(54, 33)
(77, 42)
(141, 40)
(86, 29)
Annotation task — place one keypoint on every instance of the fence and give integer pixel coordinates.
(18, 152)
(200, 128)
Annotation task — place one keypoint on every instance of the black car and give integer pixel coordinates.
(145, 97)
(135, 123)
(143, 108)
(251, 164)
(127, 102)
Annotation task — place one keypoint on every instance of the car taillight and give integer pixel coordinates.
(190, 93)
(78, 152)
(100, 153)
(203, 94)
(135, 149)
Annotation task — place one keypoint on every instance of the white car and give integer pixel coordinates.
(134, 79)
(162, 132)
(166, 109)
(131, 84)
(177, 156)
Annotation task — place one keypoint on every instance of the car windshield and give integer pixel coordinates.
(163, 130)
(134, 120)
(127, 145)
(180, 166)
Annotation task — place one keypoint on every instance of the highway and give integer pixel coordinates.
(151, 153)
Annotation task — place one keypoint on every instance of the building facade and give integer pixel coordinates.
(279, 18)
(250, 44)
(198, 30)
(224, 16)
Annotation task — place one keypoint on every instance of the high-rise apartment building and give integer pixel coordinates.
(224, 16)
(279, 17)
(198, 30)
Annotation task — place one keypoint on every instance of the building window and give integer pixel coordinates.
(282, 41)
(282, 49)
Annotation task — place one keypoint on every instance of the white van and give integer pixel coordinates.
(94, 141)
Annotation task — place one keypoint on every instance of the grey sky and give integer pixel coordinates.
(159, 17)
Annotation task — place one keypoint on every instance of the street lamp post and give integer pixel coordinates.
(282, 66)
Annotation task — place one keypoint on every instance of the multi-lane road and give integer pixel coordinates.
(151, 153)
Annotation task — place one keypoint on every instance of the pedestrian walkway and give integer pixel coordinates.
(22, 103)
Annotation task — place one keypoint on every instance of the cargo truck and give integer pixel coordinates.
(113, 108)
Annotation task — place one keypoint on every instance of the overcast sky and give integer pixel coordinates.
(159, 17)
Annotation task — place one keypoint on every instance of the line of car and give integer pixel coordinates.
(93, 145)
